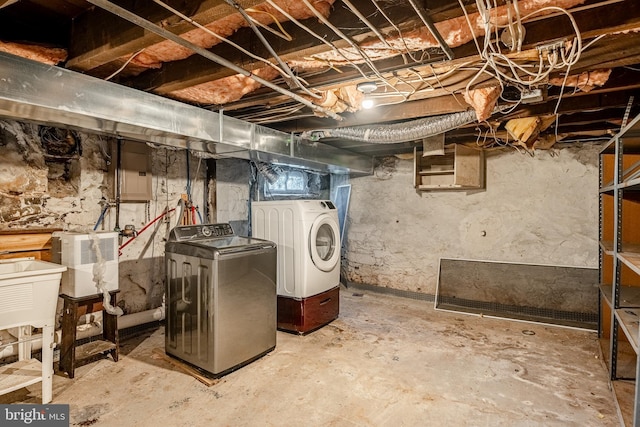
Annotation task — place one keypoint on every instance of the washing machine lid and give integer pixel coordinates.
(324, 242)
(211, 240)
(235, 243)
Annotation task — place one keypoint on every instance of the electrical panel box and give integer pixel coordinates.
(78, 252)
(135, 172)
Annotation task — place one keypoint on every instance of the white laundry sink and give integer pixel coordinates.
(28, 296)
(28, 292)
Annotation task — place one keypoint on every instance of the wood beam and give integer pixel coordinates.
(613, 95)
(592, 22)
(5, 3)
(593, 101)
(568, 123)
(99, 37)
(613, 51)
(538, 33)
(333, 79)
(197, 70)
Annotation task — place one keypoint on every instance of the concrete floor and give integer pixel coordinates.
(386, 361)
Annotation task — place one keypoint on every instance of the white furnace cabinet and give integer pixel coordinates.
(81, 253)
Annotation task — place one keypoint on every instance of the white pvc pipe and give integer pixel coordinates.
(85, 331)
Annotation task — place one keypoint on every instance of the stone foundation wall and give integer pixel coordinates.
(37, 191)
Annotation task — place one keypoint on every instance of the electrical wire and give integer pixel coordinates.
(219, 37)
(317, 36)
(204, 195)
(506, 70)
(115, 73)
(288, 75)
(473, 33)
(156, 29)
(283, 112)
(102, 144)
(395, 27)
(347, 39)
(282, 34)
(362, 18)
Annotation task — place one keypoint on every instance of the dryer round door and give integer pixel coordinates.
(324, 243)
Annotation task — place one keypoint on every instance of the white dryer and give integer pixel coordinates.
(307, 236)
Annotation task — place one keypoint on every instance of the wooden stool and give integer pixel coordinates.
(74, 307)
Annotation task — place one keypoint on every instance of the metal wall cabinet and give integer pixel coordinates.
(459, 168)
(620, 267)
(135, 178)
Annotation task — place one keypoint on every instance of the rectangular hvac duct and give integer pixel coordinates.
(31, 91)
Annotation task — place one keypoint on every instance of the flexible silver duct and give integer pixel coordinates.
(396, 133)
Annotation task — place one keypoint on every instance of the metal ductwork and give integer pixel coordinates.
(396, 133)
(35, 92)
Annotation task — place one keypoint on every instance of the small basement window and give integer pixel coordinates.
(282, 182)
(289, 183)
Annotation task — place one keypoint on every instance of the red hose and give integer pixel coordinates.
(143, 228)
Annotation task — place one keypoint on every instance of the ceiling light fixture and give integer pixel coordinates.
(367, 88)
(367, 103)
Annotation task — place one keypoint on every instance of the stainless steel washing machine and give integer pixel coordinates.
(220, 296)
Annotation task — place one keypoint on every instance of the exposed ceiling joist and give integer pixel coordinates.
(117, 38)
(620, 16)
(5, 3)
(197, 70)
(406, 88)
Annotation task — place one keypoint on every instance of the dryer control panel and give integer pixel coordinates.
(200, 232)
(327, 204)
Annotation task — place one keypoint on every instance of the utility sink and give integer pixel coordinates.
(28, 292)
(28, 296)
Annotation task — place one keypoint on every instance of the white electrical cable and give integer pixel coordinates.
(520, 27)
(219, 37)
(357, 49)
(473, 33)
(395, 27)
(351, 43)
(505, 69)
(316, 35)
(289, 77)
(108, 5)
(356, 12)
(115, 73)
(282, 33)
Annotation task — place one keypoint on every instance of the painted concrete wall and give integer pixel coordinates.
(540, 209)
(39, 194)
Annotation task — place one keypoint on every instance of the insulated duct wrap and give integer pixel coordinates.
(396, 133)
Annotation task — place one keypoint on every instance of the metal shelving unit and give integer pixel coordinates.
(620, 259)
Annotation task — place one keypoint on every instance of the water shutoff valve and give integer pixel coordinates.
(129, 231)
